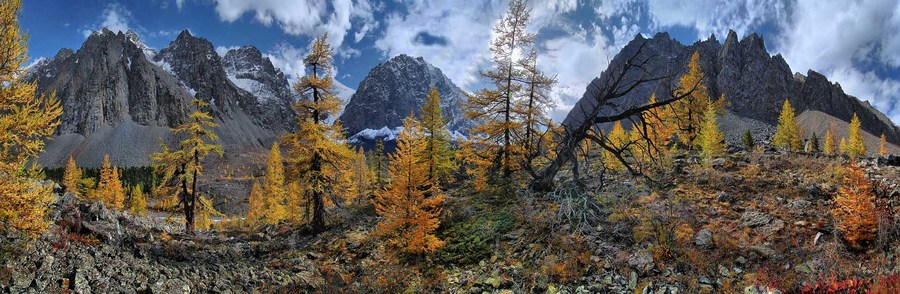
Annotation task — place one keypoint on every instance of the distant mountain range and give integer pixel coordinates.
(754, 82)
(121, 97)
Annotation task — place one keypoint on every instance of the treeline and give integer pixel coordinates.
(131, 176)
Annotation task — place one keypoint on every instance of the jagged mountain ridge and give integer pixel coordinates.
(397, 88)
(754, 82)
(120, 97)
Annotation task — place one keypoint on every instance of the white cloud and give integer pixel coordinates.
(289, 59)
(179, 3)
(301, 18)
(576, 59)
(222, 50)
(713, 16)
(115, 17)
(840, 39)
(465, 25)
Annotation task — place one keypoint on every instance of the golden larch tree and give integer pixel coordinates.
(317, 152)
(535, 104)
(25, 120)
(378, 164)
(687, 113)
(830, 141)
(617, 139)
(883, 147)
(256, 205)
(437, 154)
(359, 179)
(494, 143)
(651, 137)
(71, 176)
(411, 202)
(274, 191)
(181, 168)
(854, 209)
(843, 147)
(138, 203)
(711, 141)
(109, 189)
(787, 135)
(855, 145)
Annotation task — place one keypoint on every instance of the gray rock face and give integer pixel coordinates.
(754, 82)
(120, 97)
(397, 88)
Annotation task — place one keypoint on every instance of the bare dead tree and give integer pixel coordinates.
(617, 83)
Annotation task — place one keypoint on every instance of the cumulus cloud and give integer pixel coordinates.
(842, 40)
(463, 26)
(713, 16)
(114, 17)
(302, 18)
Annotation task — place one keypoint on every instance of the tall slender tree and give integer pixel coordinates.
(317, 152)
(25, 120)
(410, 204)
(830, 141)
(494, 143)
(711, 140)
(274, 189)
(181, 168)
(687, 113)
(437, 154)
(71, 176)
(855, 145)
(883, 147)
(535, 103)
(109, 189)
(787, 135)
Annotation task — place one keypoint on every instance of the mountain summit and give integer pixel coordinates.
(754, 82)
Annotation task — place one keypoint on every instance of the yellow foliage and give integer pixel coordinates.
(71, 176)
(410, 204)
(787, 135)
(855, 146)
(256, 212)
(882, 146)
(687, 113)
(317, 153)
(657, 129)
(109, 189)
(274, 205)
(205, 213)
(359, 180)
(617, 139)
(25, 119)
(854, 209)
(138, 205)
(711, 140)
(830, 139)
(437, 154)
(843, 146)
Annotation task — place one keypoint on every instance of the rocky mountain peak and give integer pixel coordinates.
(248, 69)
(397, 88)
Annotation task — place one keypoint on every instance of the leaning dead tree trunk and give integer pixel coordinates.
(617, 83)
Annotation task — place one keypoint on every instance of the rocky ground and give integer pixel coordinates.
(750, 222)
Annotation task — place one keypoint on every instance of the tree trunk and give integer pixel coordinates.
(317, 224)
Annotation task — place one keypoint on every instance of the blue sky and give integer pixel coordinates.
(855, 42)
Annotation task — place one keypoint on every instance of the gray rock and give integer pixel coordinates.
(724, 197)
(755, 219)
(641, 261)
(763, 251)
(703, 238)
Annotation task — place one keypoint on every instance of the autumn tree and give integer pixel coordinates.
(437, 154)
(138, 203)
(378, 164)
(854, 209)
(109, 189)
(687, 113)
(273, 190)
(652, 135)
(534, 104)
(617, 139)
(494, 143)
(787, 135)
(711, 141)
(205, 213)
(883, 147)
(411, 203)
(843, 147)
(71, 176)
(830, 141)
(855, 145)
(25, 120)
(181, 167)
(256, 203)
(317, 151)
(360, 180)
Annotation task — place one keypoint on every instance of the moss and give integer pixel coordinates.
(470, 241)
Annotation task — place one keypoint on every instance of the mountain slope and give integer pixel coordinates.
(397, 88)
(754, 82)
(121, 98)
